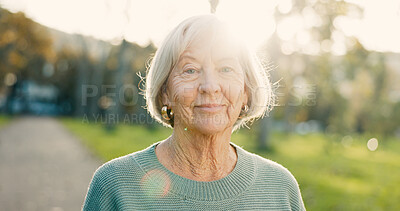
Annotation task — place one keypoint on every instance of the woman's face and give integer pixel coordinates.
(206, 88)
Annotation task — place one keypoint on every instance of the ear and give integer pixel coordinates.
(245, 96)
(164, 96)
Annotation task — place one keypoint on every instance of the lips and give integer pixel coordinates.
(212, 108)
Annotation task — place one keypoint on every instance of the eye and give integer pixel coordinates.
(190, 71)
(226, 69)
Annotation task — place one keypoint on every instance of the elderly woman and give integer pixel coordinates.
(204, 84)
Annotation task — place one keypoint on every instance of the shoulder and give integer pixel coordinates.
(114, 180)
(273, 171)
(267, 167)
(125, 166)
(274, 177)
(124, 171)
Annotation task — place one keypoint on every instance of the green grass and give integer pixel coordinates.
(4, 120)
(332, 176)
(123, 140)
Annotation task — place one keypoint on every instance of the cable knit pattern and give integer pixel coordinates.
(138, 181)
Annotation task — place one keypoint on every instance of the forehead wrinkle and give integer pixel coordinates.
(183, 57)
(187, 54)
(234, 59)
(214, 55)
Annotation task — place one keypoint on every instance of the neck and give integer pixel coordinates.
(198, 156)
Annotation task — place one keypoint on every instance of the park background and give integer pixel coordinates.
(335, 67)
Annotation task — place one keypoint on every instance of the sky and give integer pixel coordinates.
(141, 21)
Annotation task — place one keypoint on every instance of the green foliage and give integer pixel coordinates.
(334, 173)
(353, 90)
(24, 46)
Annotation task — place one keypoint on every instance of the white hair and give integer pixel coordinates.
(258, 85)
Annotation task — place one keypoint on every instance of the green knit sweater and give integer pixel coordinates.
(138, 181)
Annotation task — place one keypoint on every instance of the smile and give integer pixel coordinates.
(211, 108)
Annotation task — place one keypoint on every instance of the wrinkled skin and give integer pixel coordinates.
(206, 74)
(206, 91)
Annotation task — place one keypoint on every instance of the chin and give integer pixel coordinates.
(211, 126)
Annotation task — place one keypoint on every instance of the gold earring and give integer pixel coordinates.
(244, 111)
(167, 115)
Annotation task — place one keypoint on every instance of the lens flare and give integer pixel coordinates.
(156, 183)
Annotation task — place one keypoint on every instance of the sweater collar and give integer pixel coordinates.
(230, 186)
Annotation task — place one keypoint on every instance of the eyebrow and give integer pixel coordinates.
(187, 57)
(219, 60)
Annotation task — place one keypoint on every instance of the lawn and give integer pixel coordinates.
(4, 120)
(333, 173)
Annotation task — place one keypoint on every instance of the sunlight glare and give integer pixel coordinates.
(288, 27)
(326, 45)
(303, 37)
(376, 27)
(285, 6)
(311, 18)
(287, 48)
(338, 47)
(252, 20)
(145, 25)
(312, 48)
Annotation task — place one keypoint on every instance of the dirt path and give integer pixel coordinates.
(42, 166)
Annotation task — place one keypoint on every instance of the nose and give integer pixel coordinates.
(209, 83)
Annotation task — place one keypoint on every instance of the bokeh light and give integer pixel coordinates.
(10, 79)
(347, 141)
(372, 144)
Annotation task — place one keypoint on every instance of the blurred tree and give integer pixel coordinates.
(82, 81)
(352, 84)
(96, 80)
(66, 64)
(23, 57)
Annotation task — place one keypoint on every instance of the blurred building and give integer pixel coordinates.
(29, 97)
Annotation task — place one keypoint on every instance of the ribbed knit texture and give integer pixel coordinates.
(138, 181)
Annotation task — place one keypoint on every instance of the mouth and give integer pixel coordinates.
(210, 108)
